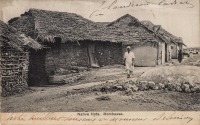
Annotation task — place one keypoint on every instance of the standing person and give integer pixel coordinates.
(129, 61)
(180, 56)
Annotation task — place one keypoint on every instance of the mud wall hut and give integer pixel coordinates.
(14, 59)
(173, 43)
(150, 43)
(144, 42)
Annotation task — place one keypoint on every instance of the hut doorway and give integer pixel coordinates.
(92, 58)
(162, 53)
(37, 74)
(165, 52)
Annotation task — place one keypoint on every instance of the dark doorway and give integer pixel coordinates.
(37, 75)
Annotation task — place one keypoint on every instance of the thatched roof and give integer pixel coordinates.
(49, 24)
(126, 29)
(44, 25)
(128, 26)
(15, 39)
(165, 35)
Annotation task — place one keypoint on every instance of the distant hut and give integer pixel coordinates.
(14, 59)
(172, 44)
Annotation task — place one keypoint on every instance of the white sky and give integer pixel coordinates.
(177, 19)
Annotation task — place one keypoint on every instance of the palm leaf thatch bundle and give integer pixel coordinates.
(15, 39)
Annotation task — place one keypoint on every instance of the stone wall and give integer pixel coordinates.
(14, 70)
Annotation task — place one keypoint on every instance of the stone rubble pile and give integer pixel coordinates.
(130, 86)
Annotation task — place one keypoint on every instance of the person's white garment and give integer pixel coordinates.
(128, 64)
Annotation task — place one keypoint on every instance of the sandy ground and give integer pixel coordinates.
(140, 101)
(61, 98)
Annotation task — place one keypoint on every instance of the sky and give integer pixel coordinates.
(179, 17)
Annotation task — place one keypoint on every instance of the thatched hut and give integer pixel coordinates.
(144, 42)
(14, 59)
(70, 39)
(75, 41)
(150, 43)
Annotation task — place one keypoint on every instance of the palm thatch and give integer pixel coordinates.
(129, 27)
(45, 26)
(162, 33)
(15, 39)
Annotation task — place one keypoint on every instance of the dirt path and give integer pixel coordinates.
(58, 99)
(111, 72)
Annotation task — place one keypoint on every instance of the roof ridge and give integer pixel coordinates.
(122, 17)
